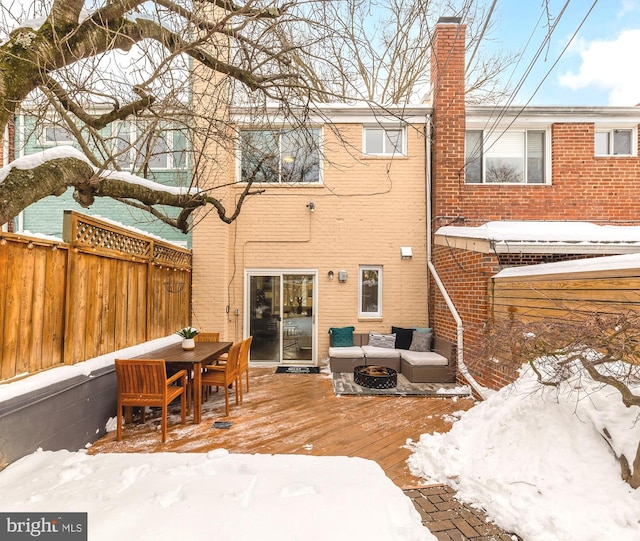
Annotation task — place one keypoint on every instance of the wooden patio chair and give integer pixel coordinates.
(224, 375)
(200, 337)
(243, 363)
(144, 383)
(207, 337)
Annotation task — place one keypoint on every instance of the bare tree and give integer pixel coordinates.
(381, 51)
(606, 347)
(90, 64)
(96, 66)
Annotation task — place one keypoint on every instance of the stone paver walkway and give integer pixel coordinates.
(451, 520)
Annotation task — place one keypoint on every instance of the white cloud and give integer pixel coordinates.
(605, 65)
(628, 6)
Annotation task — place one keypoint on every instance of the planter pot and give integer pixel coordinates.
(188, 344)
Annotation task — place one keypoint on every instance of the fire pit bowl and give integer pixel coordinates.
(375, 377)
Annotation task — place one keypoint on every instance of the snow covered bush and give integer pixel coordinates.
(604, 347)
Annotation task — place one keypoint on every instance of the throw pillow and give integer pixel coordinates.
(382, 340)
(341, 337)
(421, 341)
(424, 329)
(403, 337)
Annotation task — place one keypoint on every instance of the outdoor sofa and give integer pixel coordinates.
(433, 360)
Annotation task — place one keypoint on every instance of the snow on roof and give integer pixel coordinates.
(547, 237)
(530, 231)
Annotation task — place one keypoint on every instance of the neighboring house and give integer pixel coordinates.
(162, 158)
(498, 173)
(323, 245)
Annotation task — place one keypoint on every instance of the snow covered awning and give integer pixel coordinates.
(532, 237)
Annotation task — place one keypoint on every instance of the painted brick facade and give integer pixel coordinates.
(366, 208)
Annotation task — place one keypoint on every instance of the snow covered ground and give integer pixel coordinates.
(534, 459)
(190, 496)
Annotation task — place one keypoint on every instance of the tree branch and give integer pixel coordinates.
(98, 122)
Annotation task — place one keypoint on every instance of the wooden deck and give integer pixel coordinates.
(299, 414)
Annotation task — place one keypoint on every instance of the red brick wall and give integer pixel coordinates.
(448, 94)
(583, 187)
(466, 275)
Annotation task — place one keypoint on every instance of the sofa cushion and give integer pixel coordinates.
(424, 358)
(421, 341)
(374, 352)
(403, 337)
(424, 329)
(341, 337)
(353, 352)
(382, 340)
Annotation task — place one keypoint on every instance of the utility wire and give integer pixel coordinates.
(530, 67)
(482, 32)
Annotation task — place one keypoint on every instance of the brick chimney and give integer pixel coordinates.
(448, 95)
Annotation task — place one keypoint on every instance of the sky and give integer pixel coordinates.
(598, 66)
(533, 458)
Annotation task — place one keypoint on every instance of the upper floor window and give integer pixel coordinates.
(53, 134)
(149, 147)
(383, 141)
(514, 157)
(370, 291)
(280, 156)
(614, 142)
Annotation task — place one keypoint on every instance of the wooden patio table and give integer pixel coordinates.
(204, 353)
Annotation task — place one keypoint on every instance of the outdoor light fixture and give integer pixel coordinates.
(406, 252)
(311, 206)
(330, 275)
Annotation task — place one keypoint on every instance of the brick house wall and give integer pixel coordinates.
(584, 187)
(366, 208)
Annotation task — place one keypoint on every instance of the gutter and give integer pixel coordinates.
(432, 269)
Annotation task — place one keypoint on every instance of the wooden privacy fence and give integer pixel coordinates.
(102, 289)
(607, 285)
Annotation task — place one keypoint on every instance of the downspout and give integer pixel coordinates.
(432, 269)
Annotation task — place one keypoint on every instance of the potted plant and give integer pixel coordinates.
(188, 334)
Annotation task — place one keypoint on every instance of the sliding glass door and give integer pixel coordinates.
(281, 318)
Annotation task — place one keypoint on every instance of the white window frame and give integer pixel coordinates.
(51, 125)
(611, 130)
(320, 144)
(495, 134)
(386, 151)
(133, 136)
(367, 314)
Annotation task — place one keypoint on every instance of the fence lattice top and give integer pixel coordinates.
(97, 236)
(92, 234)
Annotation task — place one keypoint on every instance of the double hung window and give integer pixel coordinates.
(280, 156)
(370, 291)
(514, 157)
(614, 142)
(383, 141)
(54, 134)
(149, 147)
